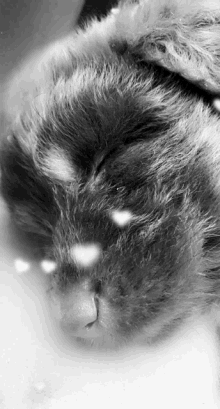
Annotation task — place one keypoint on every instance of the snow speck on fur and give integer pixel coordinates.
(21, 266)
(216, 104)
(48, 266)
(121, 217)
(85, 254)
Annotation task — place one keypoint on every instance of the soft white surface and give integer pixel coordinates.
(41, 369)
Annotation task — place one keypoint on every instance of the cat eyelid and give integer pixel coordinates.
(100, 164)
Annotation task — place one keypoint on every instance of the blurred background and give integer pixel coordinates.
(28, 24)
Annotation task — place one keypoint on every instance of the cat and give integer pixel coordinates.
(112, 161)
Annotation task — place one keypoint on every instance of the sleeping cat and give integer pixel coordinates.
(112, 162)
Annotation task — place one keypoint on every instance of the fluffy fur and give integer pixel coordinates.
(126, 104)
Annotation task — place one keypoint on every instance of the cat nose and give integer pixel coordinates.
(84, 311)
(79, 313)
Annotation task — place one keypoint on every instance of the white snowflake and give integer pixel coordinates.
(85, 254)
(216, 104)
(21, 266)
(48, 266)
(121, 217)
(115, 10)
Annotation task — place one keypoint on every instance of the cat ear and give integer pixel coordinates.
(183, 37)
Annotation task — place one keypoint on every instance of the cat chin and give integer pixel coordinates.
(107, 342)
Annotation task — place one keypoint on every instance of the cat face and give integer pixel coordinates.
(105, 166)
